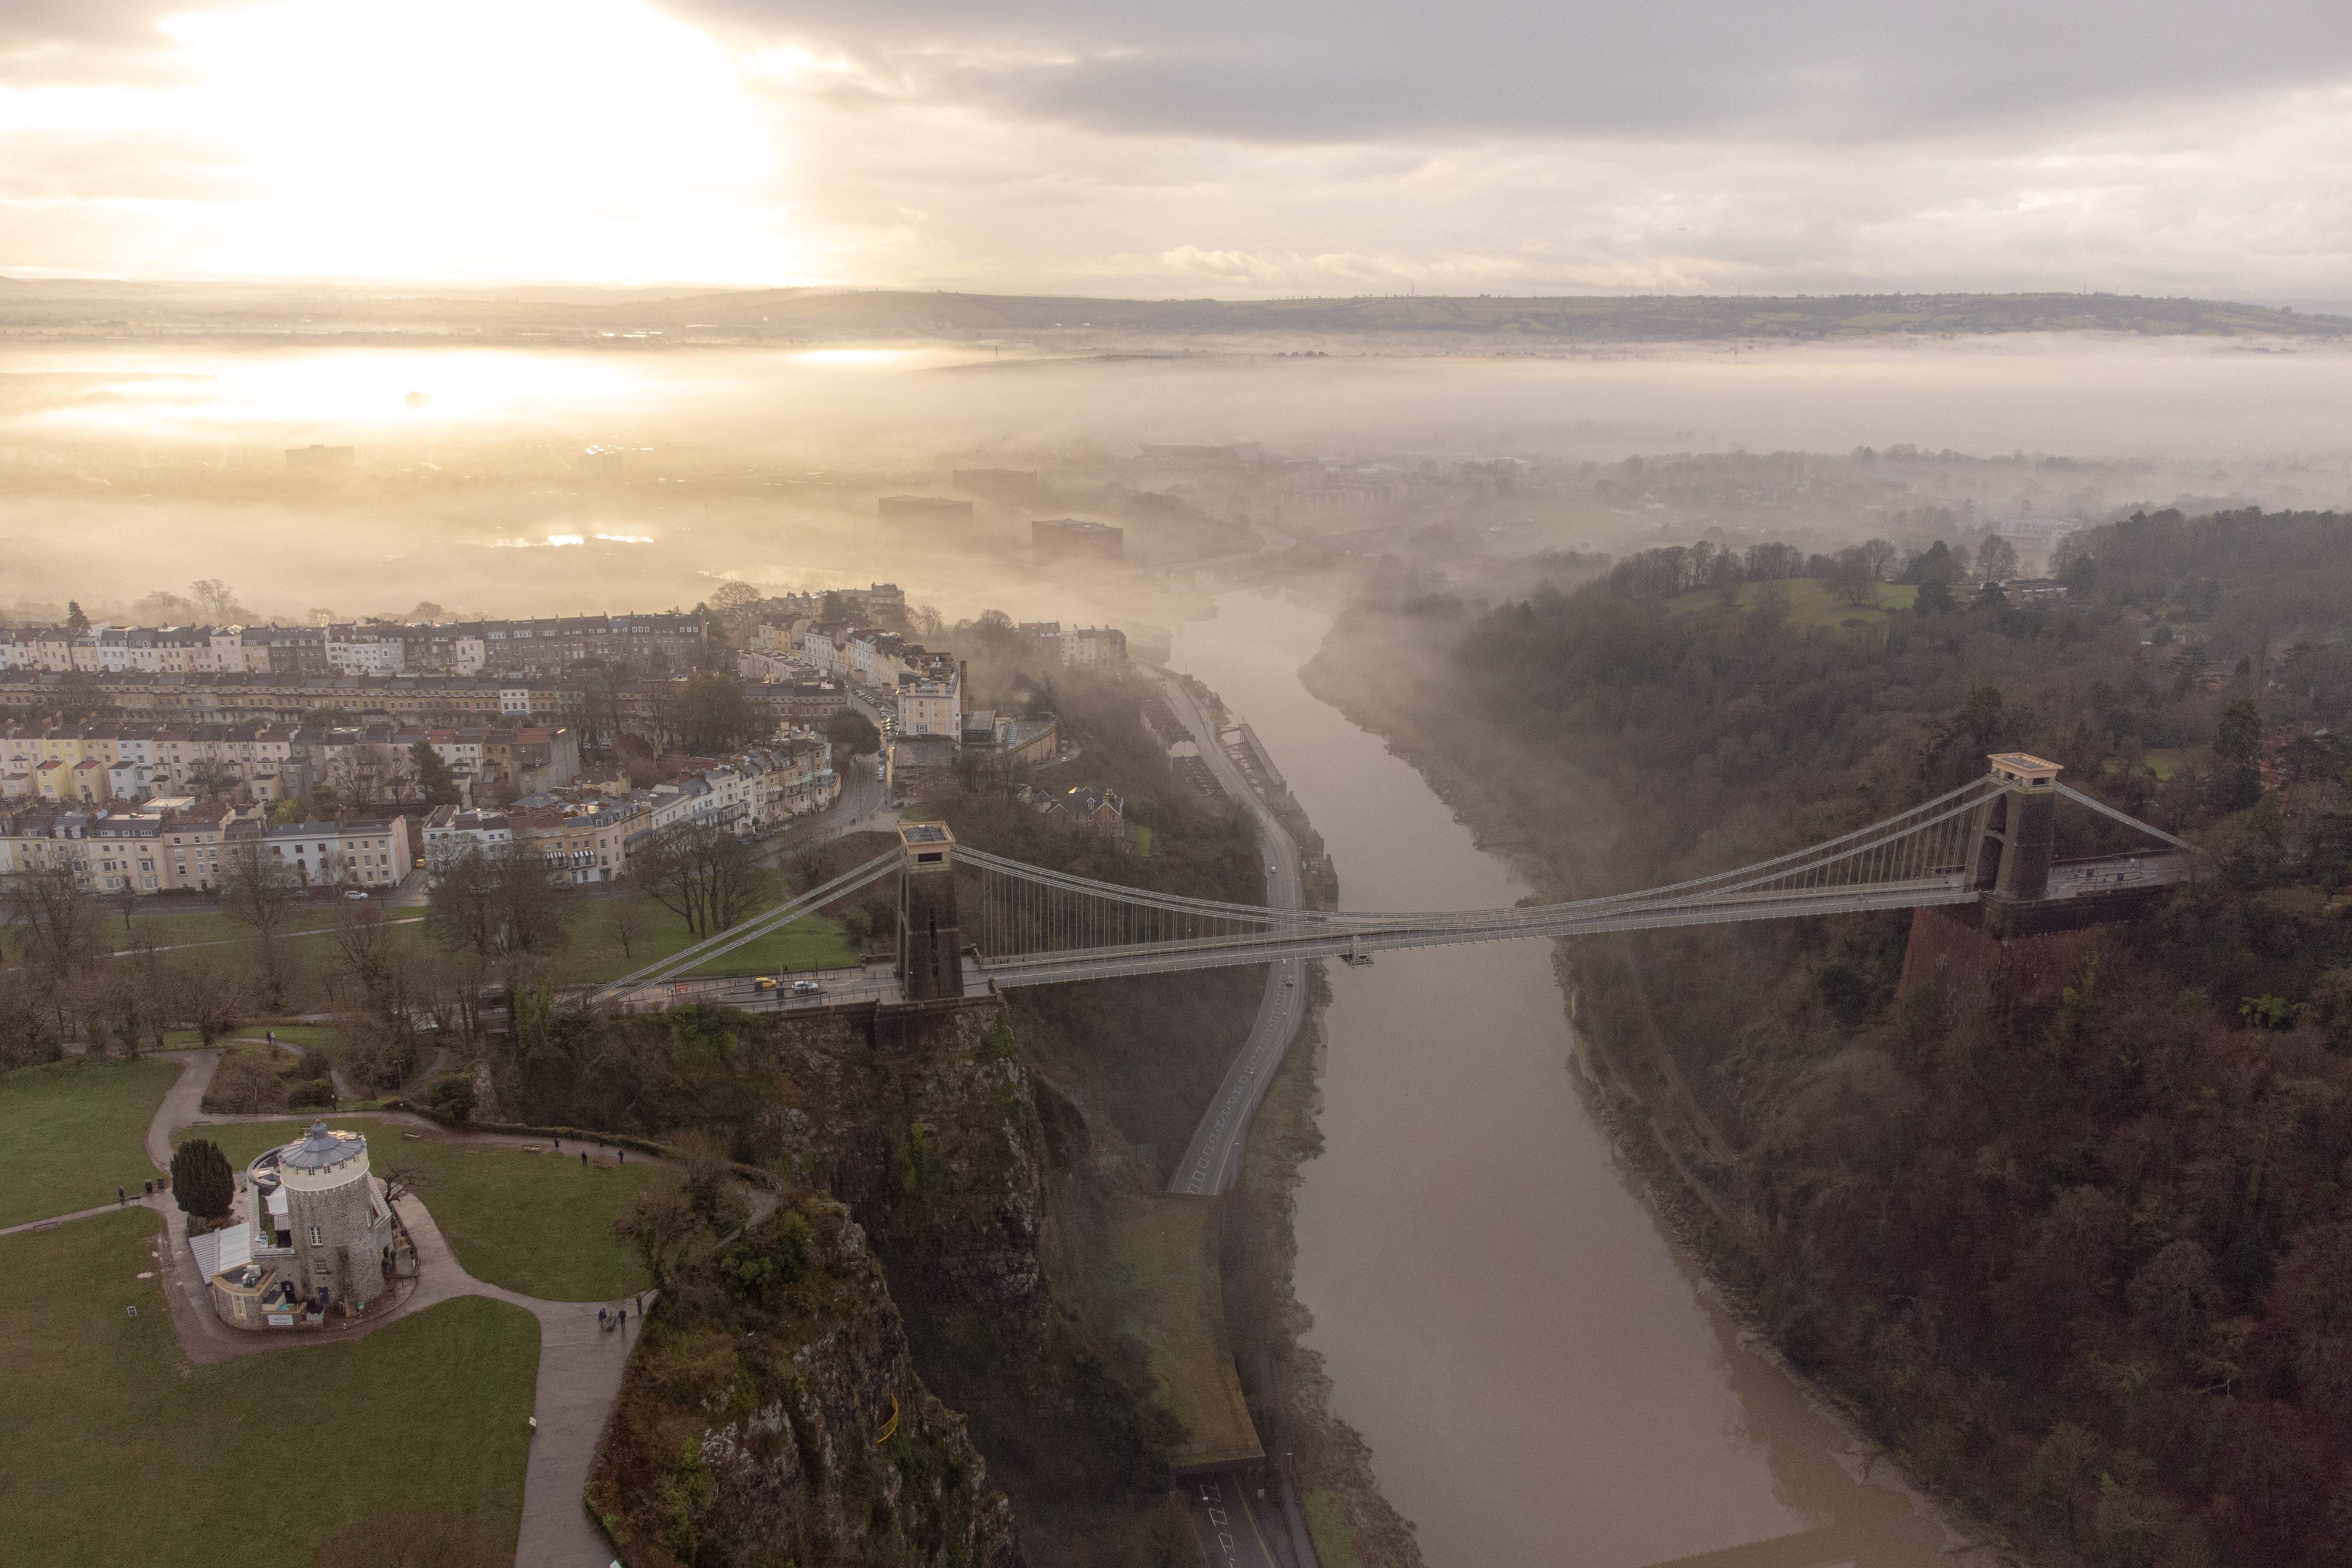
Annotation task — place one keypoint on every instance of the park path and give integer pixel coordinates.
(232, 940)
(580, 1361)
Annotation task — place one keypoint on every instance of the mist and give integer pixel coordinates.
(131, 467)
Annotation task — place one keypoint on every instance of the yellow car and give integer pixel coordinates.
(764, 983)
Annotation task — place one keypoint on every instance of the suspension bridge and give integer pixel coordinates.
(970, 923)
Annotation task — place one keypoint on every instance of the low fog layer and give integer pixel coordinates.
(521, 482)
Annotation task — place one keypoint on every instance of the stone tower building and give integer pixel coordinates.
(930, 946)
(334, 1217)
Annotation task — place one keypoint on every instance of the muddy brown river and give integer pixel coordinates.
(1541, 1374)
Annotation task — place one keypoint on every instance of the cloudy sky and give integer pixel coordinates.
(1213, 148)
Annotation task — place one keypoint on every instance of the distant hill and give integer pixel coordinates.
(1571, 317)
(71, 307)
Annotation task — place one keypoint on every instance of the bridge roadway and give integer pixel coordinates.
(1341, 936)
(1209, 1162)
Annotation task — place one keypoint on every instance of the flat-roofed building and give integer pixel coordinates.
(1074, 539)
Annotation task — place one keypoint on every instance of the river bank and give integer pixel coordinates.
(1367, 672)
(1501, 1313)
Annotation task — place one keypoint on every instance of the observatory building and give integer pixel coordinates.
(318, 1234)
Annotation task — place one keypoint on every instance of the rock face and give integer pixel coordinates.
(939, 1141)
(967, 1171)
(772, 1415)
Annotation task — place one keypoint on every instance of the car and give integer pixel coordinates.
(806, 988)
(355, 892)
(764, 983)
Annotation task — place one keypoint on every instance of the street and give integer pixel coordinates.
(1213, 1161)
(1236, 1527)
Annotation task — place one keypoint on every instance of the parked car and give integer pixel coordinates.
(355, 892)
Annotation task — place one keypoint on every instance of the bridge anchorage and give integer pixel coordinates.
(970, 923)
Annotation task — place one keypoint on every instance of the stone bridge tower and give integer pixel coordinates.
(2016, 839)
(931, 946)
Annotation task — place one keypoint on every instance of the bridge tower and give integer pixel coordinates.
(930, 946)
(2016, 837)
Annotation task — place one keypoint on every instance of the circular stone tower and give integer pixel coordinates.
(342, 1230)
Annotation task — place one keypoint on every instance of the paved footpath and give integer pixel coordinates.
(580, 1364)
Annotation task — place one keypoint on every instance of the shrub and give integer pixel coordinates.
(450, 1097)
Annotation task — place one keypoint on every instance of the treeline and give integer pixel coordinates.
(2085, 1257)
(1854, 572)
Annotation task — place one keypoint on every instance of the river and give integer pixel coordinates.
(1537, 1366)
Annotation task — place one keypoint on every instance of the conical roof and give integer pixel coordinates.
(322, 1150)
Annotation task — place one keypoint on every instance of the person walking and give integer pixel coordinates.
(583, 1159)
(121, 1198)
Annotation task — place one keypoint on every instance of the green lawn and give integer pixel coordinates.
(72, 1132)
(594, 953)
(1164, 1252)
(117, 1455)
(1335, 1538)
(541, 1224)
(169, 930)
(1810, 604)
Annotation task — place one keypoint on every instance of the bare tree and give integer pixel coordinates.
(705, 875)
(625, 919)
(371, 957)
(217, 598)
(209, 995)
(497, 902)
(1996, 560)
(400, 1180)
(58, 919)
(259, 891)
(1878, 558)
(665, 1230)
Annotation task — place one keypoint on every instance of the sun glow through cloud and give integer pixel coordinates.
(591, 139)
(1156, 150)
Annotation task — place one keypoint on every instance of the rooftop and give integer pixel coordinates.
(322, 1150)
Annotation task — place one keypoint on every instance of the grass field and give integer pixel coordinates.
(539, 1224)
(594, 952)
(1810, 604)
(1335, 1538)
(115, 1455)
(173, 930)
(1165, 1252)
(72, 1132)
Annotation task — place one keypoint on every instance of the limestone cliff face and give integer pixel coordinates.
(967, 1170)
(772, 1414)
(943, 1145)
